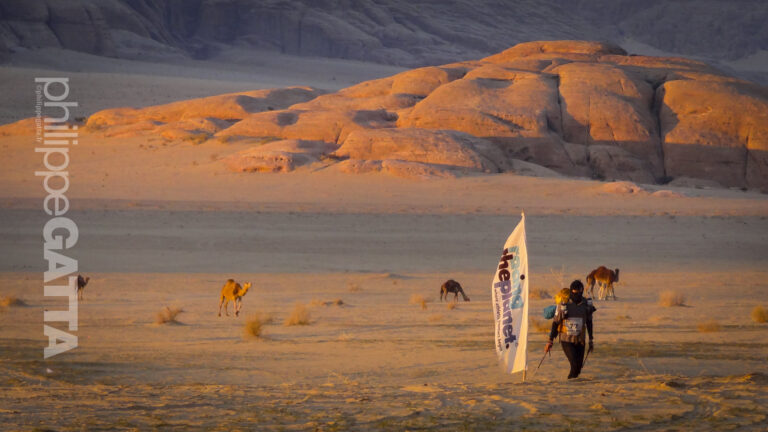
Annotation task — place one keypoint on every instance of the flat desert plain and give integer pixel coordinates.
(164, 225)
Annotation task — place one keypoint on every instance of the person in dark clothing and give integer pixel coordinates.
(571, 318)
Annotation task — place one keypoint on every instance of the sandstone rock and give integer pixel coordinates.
(193, 129)
(396, 168)
(623, 188)
(322, 125)
(605, 105)
(615, 163)
(278, 156)
(423, 81)
(24, 127)
(667, 194)
(583, 50)
(434, 147)
(714, 131)
(233, 106)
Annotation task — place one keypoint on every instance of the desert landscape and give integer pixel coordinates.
(346, 193)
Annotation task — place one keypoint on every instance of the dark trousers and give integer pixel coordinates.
(575, 354)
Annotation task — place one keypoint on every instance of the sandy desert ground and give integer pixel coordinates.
(165, 225)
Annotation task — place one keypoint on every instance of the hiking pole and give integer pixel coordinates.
(585, 359)
(542, 361)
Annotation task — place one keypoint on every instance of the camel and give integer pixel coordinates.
(606, 278)
(451, 286)
(234, 292)
(81, 283)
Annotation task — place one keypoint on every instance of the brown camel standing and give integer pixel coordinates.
(606, 278)
(232, 291)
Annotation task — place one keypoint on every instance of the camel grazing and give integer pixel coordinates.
(606, 278)
(451, 286)
(81, 283)
(234, 292)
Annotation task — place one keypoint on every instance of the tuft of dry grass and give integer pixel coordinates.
(418, 299)
(353, 287)
(541, 326)
(708, 326)
(450, 306)
(671, 299)
(435, 318)
(254, 325)
(337, 302)
(167, 315)
(11, 301)
(539, 294)
(759, 315)
(299, 316)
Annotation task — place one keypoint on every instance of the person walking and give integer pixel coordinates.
(571, 320)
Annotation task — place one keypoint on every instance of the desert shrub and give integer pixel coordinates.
(317, 302)
(167, 315)
(671, 299)
(299, 316)
(708, 326)
(337, 302)
(541, 326)
(353, 287)
(254, 325)
(11, 301)
(418, 299)
(759, 314)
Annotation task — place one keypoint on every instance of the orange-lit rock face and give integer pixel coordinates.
(576, 107)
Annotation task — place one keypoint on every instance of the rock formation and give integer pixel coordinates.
(576, 108)
(400, 32)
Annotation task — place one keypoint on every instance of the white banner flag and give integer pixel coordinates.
(509, 293)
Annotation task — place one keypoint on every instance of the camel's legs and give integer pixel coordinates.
(225, 302)
(237, 305)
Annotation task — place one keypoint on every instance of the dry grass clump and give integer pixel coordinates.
(337, 302)
(540, 326)
(418, 299)
(299, 316)
(167, 315)
(11, 301)
(450, 306)
(671, 299)
(539, 294)
(759, 315)
(353, 287)
(254, 325)
(708, 326)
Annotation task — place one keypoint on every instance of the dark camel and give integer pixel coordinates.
(81, 283)
(451, 286)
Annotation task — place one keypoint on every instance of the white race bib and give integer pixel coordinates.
(573, 326)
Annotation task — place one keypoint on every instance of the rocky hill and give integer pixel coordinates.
(575, 107)
(399, 32)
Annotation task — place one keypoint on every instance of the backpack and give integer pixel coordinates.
(560, 297)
